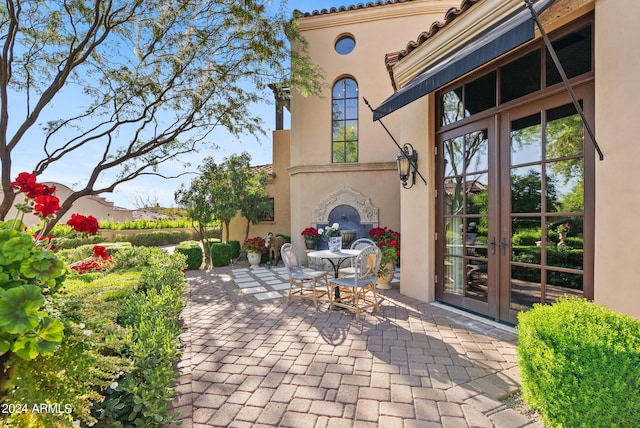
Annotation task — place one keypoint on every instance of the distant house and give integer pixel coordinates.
(97, 206)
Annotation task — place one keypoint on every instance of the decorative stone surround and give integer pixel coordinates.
(345, 196)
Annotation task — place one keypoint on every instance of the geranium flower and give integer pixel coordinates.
(23, 179)
(46, 205)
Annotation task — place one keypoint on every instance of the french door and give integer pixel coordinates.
(515, 208)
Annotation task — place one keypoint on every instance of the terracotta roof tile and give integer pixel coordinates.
(348, 8)
(268, 168)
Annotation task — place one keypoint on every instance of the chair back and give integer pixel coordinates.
(367, 264)
(290, 257)
(359, 244)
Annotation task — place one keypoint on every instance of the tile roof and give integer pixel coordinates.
(348, 8)
(393, 58)
(268, 168)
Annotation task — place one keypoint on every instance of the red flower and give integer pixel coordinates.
(23, 179)
(100, 252)
(46, 205)
(82, 223)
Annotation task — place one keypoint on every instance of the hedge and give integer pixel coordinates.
(235, 248)
(193, 251)
(155, 239)
(220, 254)
(580, 364)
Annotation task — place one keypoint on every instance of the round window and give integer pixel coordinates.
(345, 44)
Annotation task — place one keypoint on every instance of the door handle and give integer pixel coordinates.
(503, 245)
(493, 244)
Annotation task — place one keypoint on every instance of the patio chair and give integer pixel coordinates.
(303, 282)
(358, 244)
(358, 292)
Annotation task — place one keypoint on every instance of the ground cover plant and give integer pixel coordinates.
(580, 364)
(114, 365)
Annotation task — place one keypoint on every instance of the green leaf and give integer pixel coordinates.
(16, 248)
(49, 335)
(26, 347)
(19, 308)
(44, 266)
(5, 345)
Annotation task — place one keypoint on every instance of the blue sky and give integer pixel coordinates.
(154, 188)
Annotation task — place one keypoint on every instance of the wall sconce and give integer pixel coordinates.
(407, 165)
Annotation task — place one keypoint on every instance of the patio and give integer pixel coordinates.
(251, 359)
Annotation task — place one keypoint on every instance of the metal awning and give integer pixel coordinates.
(512, 32)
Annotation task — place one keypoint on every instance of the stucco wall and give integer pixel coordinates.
(617, 61)
(377, 31)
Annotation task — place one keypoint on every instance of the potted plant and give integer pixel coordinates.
(389, 243)
(333, 235)
(253, 248)
(311, 236)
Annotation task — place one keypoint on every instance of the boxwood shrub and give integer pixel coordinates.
(580, 364)
(155, 239)
(193, 251)
(220, 254)
(235, 248)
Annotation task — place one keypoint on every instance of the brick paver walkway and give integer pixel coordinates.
(253, 360)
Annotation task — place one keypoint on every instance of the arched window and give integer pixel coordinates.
(345, 121)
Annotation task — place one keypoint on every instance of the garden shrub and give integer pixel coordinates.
(163, 270)
(526, 238)
(235, 248)
(193, 251)
(220, 254)
(580, 364)
(64, 243)
(155, 239)
(141, 397)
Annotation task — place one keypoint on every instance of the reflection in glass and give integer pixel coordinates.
(565, 186)
(561, 284)
(453, 235)
(564, 132)
(454, 275)
(525, 287)
(453, 196)
(477, 280)
(477, 194)
(526, 189)
(526, 240)
(526, 140)
(452, 108)
(567, 242)
(476, 151)
(453, 155)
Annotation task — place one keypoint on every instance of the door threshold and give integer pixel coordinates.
(489, 321)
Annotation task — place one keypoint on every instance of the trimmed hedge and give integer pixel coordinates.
(155, 239)
(220, 254)
(235, 248)
(193, 251)
(580, 364)
(63, 243)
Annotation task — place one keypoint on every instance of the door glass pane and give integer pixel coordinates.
(566, 247)
(520, 77)
(477, 272)
(526, 240)
(453, 235)
(477, 193)
(452, 107)
(525, 287)
(565, 186)
(476, 152)
(453, 194)
(564, 132)
(526, 140)
(526, 189)
(574, 52)
(480, 94)
(453, 151)
(561, 284)
(454, 275)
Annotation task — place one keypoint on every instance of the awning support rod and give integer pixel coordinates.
(413, 164)
(565, 79)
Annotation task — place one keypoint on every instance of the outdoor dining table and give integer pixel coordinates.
(336, 258)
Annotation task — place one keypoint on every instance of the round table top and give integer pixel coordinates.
(328, 254)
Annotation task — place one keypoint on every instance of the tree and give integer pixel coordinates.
(156, 78)
(221, 191)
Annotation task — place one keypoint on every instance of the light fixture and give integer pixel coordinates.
(407, 165)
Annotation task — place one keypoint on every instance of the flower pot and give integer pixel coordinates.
(254, 259)
(335, 243)
(348, 236)
(385, 275)
(563, 239)
(311, 244)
